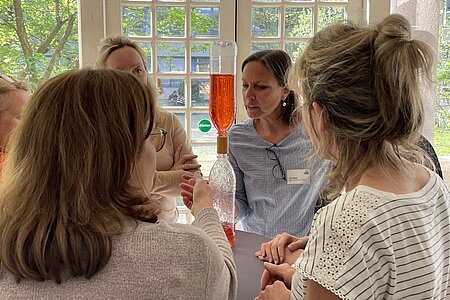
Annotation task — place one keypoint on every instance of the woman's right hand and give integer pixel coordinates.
(284, 248)
(196, 193)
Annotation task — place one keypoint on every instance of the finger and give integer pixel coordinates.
(272, 251)
(191, 166)
(265, 279)
(262, 250)
(186, 187)
(198, 176)
(187, 157)
(285, 239)
(187, 201)
(177, 154)
(187, 176)
(299, 243)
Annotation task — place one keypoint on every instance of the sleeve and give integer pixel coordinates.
(222, 274)
(335, 256)
(166, 183)
(241, 195)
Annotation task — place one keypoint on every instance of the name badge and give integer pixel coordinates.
(302, 176)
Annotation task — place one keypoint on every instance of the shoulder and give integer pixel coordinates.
(165, 118)
(238, 130)
(161, 236)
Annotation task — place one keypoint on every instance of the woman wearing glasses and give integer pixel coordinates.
(13, 98)
(72, 223)
(277, 184)
(174, 151)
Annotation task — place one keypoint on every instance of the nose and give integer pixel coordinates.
(249, 93)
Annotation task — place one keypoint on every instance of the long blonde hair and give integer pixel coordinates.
(66, 191)
(367, 82)
(9, 84)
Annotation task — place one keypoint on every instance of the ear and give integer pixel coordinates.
(285, 93)
(318, 117)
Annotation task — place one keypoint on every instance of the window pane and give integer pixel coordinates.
(171, 0)
(199, 136)
(207, 156)
(200, 57)
(205, 22)
(173, 92)
(299, 21)
(333, 1)
(200, 92)
(295, 49)
(207, 0)
(266, 0)
(147, 47)
(182, 118)
(329, 15)
(300, 0)
(265, 22)
(137, 20)
(264, 46)
(39, 20)
(171, 57)
(171, 21)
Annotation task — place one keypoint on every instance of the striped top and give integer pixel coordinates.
(370, 244)
(267, 204)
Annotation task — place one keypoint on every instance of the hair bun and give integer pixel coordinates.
(394, 26)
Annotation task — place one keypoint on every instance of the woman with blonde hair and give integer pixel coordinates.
(72, 222)
(176, 157)
(386, 234)
(13, 98)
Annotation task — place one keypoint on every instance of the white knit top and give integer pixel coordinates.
(370, 244)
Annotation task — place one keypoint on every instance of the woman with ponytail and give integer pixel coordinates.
(386, 234)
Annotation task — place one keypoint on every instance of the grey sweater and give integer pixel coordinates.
(150, 261)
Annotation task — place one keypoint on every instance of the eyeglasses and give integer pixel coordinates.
(273, 153)
(158, 138)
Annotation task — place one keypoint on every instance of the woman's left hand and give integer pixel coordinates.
(276, 291)
(184, 162)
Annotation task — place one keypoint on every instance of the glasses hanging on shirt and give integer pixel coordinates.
(273, 153)
(158, 138)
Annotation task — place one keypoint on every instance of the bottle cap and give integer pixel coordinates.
(222, 144)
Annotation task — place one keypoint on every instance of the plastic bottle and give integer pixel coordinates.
(222, 110)
(223, 183)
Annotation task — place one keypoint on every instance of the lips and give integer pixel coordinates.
(252, 108)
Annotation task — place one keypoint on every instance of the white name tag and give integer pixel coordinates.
(302, 176)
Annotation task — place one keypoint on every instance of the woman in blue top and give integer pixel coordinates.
(277, 182)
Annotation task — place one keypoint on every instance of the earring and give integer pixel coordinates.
(283, 103)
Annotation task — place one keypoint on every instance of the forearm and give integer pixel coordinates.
(166, 183)
(208, 220)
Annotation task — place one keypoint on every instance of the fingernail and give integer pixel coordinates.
(276, 262)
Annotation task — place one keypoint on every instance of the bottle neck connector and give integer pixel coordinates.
(222, 144)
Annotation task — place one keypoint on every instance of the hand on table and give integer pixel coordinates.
(273, 273)
(196, 193)
(276, 291)
(283, 248)
(184, 162)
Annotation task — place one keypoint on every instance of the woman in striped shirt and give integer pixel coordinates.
(387, 235)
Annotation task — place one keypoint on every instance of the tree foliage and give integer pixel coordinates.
(38, 39)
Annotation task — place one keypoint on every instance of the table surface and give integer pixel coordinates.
(249, 268)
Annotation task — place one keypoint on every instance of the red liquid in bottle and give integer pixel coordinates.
(229, 232)
(222, 108)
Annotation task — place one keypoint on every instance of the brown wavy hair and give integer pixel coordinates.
(366, 79)
(66, 191)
